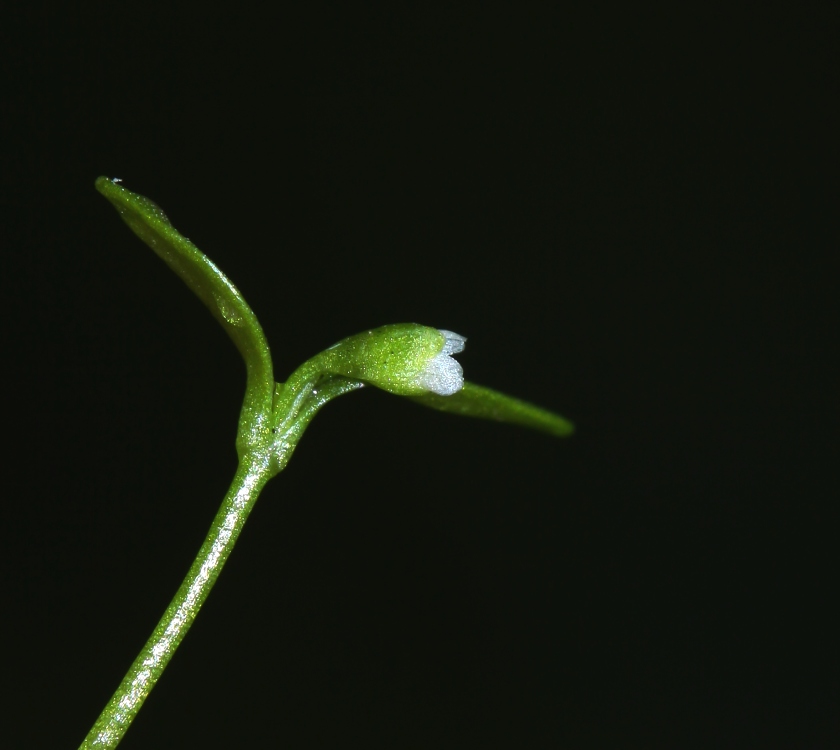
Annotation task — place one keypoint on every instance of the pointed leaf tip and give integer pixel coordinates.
(484, 403)
(148, 221)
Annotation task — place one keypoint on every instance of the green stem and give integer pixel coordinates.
(126, 702)
(264, 451)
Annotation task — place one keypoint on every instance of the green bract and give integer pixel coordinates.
(404, 359)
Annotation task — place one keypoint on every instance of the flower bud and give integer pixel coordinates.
(405, 359)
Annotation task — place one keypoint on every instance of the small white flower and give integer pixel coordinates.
(442, 374)
(405, 359)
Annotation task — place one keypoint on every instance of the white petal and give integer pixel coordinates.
(443, 375)
(454, 342)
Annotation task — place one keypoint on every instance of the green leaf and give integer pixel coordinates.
(477, 401)
(211, 286)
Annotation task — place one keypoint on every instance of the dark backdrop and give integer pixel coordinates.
(631, 215)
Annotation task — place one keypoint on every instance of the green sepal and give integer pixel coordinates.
(477, 401)
(391, 357)
(211, 286)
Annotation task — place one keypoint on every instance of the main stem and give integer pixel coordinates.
(115, 719)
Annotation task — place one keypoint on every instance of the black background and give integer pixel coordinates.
(630, 214)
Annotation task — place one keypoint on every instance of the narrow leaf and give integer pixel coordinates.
(201, 275)
(477, 401)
